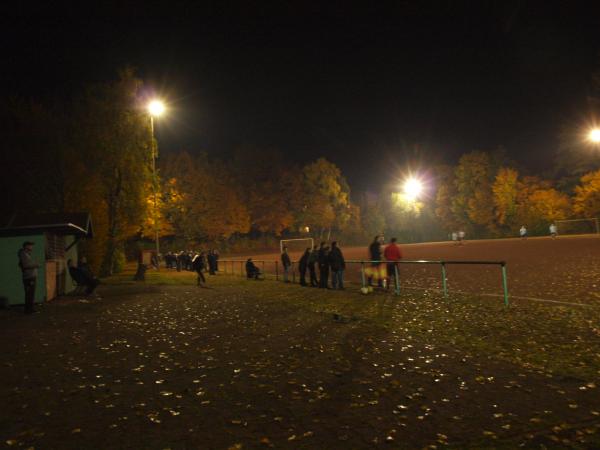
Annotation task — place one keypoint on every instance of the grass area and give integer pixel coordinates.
(246, 364)
(557, 339)
(153, 277)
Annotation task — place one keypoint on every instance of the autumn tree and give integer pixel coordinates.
(326, 196)
(473, 204)
(201, 200)
(115, 140)
(270, 190)
(505, 190)
(586, 202)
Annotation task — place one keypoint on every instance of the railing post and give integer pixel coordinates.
(276, 270)
(293, 272)
(264, 274)
(241, 268)
(396, 279)
(362, 273)
(444, 285)
(504, 284)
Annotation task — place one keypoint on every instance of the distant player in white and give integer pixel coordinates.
(454, 237)
(523, 232)
(553, 232)
(461, 237)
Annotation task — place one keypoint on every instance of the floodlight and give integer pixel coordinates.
(156, 108)
(412, 188)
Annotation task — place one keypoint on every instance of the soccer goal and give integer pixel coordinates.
(296, 245)
(578, 226)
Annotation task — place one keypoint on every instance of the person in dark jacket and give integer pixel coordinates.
(251, 270)
(303, 265)
(216, 258)
(211, 262)
(199, 265)
(82, 278)
(375, 255)
(323, 266)
(312, 261)
(337, 265)
(287, 265)
(29, 271)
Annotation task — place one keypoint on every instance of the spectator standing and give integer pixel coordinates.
(179, 261)
(216, 257)
(392, 254)
(461, 237)
(337, 264)
(323, 266)
(523, 232)
(375, 255)
(211, 262)
(287, 265)
(29, 272)
(303, 265)
(199, 265)
(312, 261)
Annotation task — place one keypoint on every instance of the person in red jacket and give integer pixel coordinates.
(392, 254)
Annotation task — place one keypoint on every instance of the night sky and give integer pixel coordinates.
(359, 86)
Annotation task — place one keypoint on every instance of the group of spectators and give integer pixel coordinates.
(327, 262)
(187, 260)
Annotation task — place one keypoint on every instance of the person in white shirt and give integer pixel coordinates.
(553, 231)
(523, 232)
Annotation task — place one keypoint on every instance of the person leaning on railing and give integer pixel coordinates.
(375, 255)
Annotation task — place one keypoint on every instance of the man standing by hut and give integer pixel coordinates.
(29, 271)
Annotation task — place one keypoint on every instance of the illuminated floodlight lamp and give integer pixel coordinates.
(594, 135)
(156, 108)
(412, 188)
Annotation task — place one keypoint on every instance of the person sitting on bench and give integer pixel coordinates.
(251, 270)
(82, 277)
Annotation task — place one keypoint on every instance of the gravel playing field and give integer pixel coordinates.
(565, 269)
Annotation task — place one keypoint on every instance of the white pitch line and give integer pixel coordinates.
(533, 299)
(544, 300)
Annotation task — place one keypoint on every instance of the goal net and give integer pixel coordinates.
(296, 245)
(578, 226)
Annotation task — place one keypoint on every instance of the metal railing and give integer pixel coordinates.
(230, 265)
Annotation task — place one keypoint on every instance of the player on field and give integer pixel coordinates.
(523, 232)
(553, 230)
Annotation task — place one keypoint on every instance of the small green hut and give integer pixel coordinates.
(55, 238)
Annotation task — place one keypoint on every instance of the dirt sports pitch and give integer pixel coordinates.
(566, 269)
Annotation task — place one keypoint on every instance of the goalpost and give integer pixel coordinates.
(578, 226)
(309, 241)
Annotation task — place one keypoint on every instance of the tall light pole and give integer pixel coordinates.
(155, 108)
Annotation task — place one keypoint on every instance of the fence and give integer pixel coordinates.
(237, 266)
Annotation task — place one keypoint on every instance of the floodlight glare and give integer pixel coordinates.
(156, 108)
(412, 188)
(594, 135)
